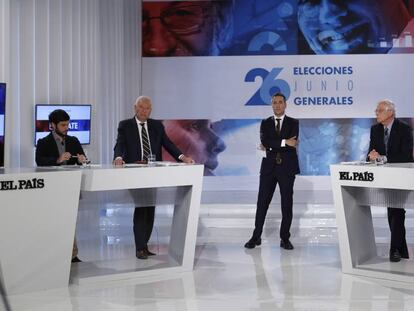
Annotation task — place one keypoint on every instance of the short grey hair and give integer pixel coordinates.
(389, 104)
(141, 99)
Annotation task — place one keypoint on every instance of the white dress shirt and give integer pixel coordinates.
(281, 118)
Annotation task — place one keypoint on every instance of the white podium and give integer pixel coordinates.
(164, 183)
(37, 226)
(355, 189)
(38, 219)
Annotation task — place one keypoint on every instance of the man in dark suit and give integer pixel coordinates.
(138, 138)
(58, 148)
(278, 135)
(393, 139)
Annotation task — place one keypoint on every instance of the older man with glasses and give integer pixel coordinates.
(185, 28)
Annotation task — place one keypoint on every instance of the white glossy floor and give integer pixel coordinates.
(226, 275)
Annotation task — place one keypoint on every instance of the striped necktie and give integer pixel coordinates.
(145, 142)
(386, 138)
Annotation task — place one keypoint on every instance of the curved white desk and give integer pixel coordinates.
(355, 189)
(38, 219)
(37, 225)
(167, 183)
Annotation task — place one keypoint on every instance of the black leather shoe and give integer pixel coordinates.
(148, 252)
(142, 254)
(286, 244)
(76, 259)
(395, 256)
(253, 242)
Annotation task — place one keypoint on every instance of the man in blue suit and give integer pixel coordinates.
(278, 135)
(138, 138)
(392, 138)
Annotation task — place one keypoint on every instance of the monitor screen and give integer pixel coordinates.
(2, 123)
(79, 126)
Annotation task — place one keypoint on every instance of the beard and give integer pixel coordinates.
(61, 134)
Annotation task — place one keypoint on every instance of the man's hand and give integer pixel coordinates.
(118, 162)
(63, 157)
(292, 142)
(81, 158)
(373, 155)
(187, 160)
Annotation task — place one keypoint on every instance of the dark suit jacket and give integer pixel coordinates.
(272, 143)
(47, 151)
(400, 142)
(128, 145)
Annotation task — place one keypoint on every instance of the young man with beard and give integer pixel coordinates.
(58, 148)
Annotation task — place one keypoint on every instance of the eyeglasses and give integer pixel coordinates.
(181, 20)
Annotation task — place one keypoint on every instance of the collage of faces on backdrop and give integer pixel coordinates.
(274, 27)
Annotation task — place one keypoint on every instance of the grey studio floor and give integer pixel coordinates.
(227, 276)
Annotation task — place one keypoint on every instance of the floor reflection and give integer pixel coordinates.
(226, 276)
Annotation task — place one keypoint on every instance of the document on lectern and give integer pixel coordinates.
(169, 163)
(356, 163)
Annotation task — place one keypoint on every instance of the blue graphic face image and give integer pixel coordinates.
(351, 26)
(185, 28)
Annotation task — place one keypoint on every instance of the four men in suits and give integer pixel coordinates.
(138, 138)
(58, 148)
(278, 136)
(392, 138)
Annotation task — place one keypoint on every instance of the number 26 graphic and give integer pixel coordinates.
(270, 85)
